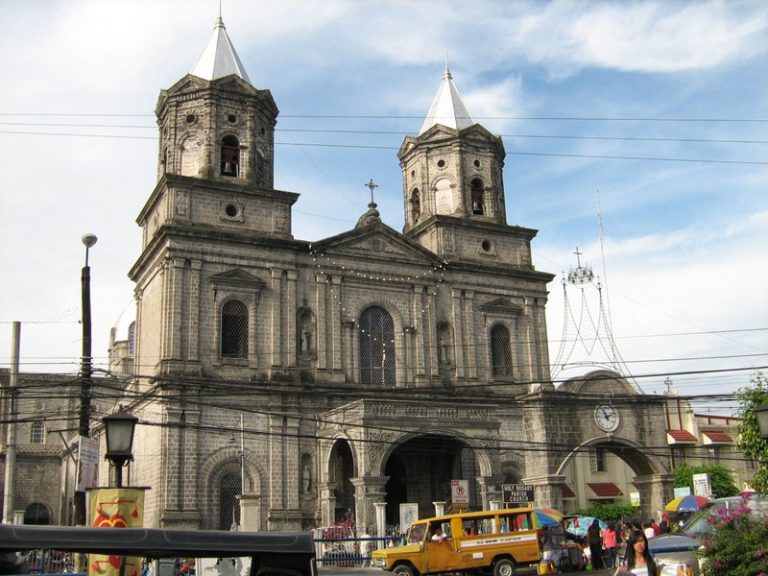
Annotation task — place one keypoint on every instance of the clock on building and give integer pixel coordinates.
(607, 417)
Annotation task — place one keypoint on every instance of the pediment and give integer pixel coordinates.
(501, 307)
(377, 242)
(236, 278)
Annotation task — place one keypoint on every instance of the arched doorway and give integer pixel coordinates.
(341, 472)
(420, 471)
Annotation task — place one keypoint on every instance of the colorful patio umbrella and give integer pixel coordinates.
(544, 517)
(579, 525)
(689, 503)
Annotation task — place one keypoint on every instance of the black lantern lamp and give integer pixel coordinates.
(119, 429)
(761, 413)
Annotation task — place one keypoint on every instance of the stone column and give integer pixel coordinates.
(490, 489)
(276, 352)
(458, 334)
(192, 312)
(419, 304)
(327, 503)
(290, 319)
(349, 350)
(336, 324)
(547, 490)
(473, 345)
(381, 518)
(368, 490)
(655, 491)
(322, 323)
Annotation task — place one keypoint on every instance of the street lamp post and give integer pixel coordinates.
(761, 413)
(86, 361)
(119, 428)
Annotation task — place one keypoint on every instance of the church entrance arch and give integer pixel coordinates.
(651, 478)
(420, 470)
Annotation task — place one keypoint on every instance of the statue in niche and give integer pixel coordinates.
(306, 479)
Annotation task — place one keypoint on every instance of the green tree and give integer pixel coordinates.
(720, 477)
(750, 442)
(609, 511)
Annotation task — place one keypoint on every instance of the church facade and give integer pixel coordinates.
(307, 383)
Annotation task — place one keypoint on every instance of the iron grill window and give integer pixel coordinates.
(234, 330)
(230, 488)
(501, 351)
(377, 347)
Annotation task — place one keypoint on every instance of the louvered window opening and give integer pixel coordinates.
(501, 351)
(229, 507)
(234, 330)
(377, 347)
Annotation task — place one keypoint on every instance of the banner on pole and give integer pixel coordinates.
(115, 508)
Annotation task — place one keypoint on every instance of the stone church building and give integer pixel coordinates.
(306, 383)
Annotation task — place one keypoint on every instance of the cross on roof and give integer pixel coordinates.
(578, 257)
(371, 184)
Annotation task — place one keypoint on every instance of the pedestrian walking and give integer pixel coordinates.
(595, 541)
(609, 543)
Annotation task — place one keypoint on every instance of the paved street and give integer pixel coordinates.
(355, 571)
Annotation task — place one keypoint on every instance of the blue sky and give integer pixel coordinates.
(577, 89)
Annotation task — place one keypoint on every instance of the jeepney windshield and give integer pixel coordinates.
(416, 533)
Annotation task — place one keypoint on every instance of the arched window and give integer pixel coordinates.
(37, 513)
(37, 433)
(230, 156)
(132, 339)
(230, 487)
(415, 205)
(478, 192)
(501, 351)
(377, 347)
(234, 330)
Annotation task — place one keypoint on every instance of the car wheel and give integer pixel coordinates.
(403, 570)
(503, 567)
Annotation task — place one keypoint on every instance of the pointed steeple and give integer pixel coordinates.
(447, 108)
(219, 58)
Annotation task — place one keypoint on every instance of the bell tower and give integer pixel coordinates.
(214, 124)
(454, 166)
(453, 187)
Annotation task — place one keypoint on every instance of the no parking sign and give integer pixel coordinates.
(460, 492)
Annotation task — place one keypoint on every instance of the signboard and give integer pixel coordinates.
(682, 491)
(702, 486)
(514, 494)
(114, 508)
(460, 492)
(88, 464)
(408, 513)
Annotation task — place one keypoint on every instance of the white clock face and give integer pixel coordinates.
(607, 417)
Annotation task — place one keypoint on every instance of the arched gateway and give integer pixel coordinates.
(400, 452)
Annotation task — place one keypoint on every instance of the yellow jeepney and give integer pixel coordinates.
(493, 540)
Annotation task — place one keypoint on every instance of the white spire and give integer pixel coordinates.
(219, 58)
(447, 108)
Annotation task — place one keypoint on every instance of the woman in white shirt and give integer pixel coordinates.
(638, 559)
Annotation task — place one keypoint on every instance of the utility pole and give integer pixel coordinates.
(86, 370)
(10, 444)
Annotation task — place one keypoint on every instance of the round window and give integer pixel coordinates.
(191, 118)
(441, 163)
(477, 163)
(231, 210)
(486, 245)
(231, 118)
